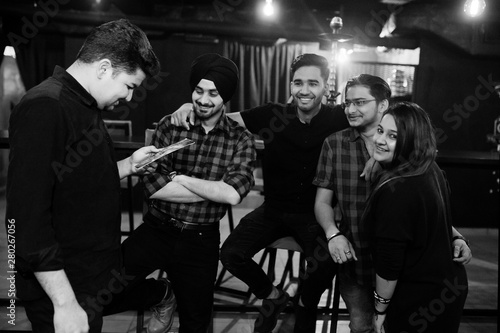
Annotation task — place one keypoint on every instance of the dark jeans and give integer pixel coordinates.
(263, 226)
(189, 257)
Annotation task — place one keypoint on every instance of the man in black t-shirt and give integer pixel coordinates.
(293, 135)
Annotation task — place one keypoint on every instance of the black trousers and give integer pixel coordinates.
(189, 257)
(263, 226)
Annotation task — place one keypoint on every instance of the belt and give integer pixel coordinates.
(170, 221)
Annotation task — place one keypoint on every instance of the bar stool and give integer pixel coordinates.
(290, 245)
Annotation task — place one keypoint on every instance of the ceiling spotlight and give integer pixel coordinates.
(268, 8)
(474, 8)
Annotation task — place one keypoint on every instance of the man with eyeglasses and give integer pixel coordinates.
(342, 161)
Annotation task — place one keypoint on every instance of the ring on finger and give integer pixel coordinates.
(347, 252)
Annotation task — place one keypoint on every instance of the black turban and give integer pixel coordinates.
(221, 71)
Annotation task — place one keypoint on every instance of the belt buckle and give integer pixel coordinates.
(177, 223)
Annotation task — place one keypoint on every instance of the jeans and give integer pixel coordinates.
(263, 226)
(189, 257)
(359, 302)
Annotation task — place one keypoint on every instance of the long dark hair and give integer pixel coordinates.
(416, 142)
(415, 150)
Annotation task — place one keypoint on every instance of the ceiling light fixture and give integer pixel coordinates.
(474, 8)
(268, 9)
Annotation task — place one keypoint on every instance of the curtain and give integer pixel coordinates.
(37, 58)
(264, 72)
(38, 49)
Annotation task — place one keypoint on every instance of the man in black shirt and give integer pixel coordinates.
(293, 135)
(63, 183)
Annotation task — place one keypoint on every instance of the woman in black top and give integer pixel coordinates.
(421, 284)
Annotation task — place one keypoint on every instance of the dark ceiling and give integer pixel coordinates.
(300, 20)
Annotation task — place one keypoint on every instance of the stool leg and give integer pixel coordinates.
(335, 307)
(140, 321)
(272, 263)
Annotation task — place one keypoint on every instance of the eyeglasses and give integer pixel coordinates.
(356, 102)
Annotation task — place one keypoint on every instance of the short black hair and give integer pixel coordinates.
(378, 87)
(311, 59)
(124, 44)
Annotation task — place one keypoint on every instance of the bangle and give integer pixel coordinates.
(380, 299)
(171, 175)
(462, 238)
(379, 312)
(333, 236)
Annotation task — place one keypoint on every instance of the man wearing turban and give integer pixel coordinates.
(188, 194)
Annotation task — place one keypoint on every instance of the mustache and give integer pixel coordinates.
(205, 105)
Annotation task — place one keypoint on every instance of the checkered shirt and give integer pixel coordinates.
(340, 165)
(225, 153)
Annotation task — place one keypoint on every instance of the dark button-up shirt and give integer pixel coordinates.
(63, 187)
(226, 153)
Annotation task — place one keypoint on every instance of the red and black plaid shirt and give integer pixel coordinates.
(340, 165)
(225, 153)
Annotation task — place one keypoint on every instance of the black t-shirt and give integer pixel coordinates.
(291, 153)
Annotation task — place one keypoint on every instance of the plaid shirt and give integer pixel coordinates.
(342, 160)
(225, 153)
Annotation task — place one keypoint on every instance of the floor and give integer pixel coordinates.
(482, 272)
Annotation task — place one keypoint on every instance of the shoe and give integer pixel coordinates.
(163, 313)
(269, 313)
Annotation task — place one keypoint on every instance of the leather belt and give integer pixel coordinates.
(170, 221)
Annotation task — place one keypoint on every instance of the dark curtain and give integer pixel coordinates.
(37, 50)
(37, 58)
(264, 72)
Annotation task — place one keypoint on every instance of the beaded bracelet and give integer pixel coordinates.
(380, 299)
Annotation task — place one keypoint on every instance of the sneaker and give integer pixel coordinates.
(163, 313)
(269, 313)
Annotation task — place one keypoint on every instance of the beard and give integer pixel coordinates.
(204, 112)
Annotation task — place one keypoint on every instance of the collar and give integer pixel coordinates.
(74, 86)
(291, 109)
(354, 134)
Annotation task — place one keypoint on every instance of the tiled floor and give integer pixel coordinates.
(482, 272)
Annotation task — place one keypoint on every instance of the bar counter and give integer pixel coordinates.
(455, 157)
